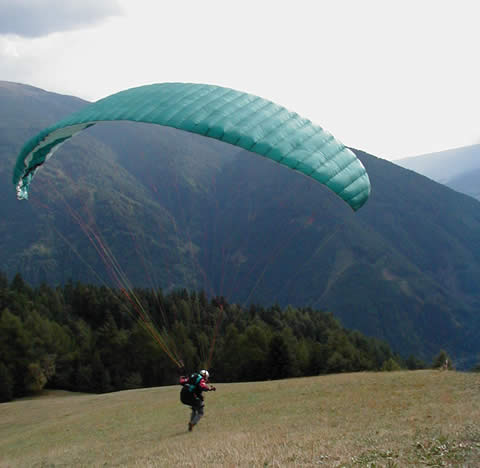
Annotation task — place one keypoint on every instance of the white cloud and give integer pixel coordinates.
(8, 48)
(35, 18)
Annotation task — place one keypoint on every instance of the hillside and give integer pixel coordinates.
(375, 419)
(467, 182)
(177, 210)
(457, 168)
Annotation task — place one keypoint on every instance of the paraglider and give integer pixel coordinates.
(238, 118)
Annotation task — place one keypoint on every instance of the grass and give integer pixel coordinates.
(421, 418)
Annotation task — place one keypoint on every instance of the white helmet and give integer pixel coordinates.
(204, 373)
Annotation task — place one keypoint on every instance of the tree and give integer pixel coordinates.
(476, 368)
(442, 361)
(318, 359)
(133, 380)
(15, 349)
(390, 365)
(18, 285)
(100, 375)
(6, 384)
(254, 353)
(336, 363)
(279, 358)
(414, 363)
(3, 281)
(35, 378)
(231, 352)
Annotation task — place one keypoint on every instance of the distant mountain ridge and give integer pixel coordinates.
(468, 182)
(457, 168)
(178, 210)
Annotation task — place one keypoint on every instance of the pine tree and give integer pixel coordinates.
(442, 361)
(279, 358)
(6, 384)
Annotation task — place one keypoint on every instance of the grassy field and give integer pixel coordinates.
(421, 418)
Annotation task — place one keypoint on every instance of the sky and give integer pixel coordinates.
(395, 78)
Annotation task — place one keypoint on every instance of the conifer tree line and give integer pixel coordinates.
(87, 338)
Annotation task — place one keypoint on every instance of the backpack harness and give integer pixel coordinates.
(193, 381)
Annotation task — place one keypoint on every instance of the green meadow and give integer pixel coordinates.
(391, 419)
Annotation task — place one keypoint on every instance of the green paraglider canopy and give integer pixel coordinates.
(238, 118)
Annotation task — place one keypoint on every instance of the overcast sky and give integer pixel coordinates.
(394, 78)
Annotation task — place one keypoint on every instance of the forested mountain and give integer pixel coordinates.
(178, 210)
(457, 168)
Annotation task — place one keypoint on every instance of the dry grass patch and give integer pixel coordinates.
(422, 418)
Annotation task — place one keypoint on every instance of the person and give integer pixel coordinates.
(191, 394)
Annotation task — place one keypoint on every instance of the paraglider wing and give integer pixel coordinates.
(238, 118)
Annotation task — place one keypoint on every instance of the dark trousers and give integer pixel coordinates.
(195, 402)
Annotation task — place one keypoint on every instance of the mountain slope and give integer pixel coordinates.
(467, 182)
(179, 210)
(457, 168)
